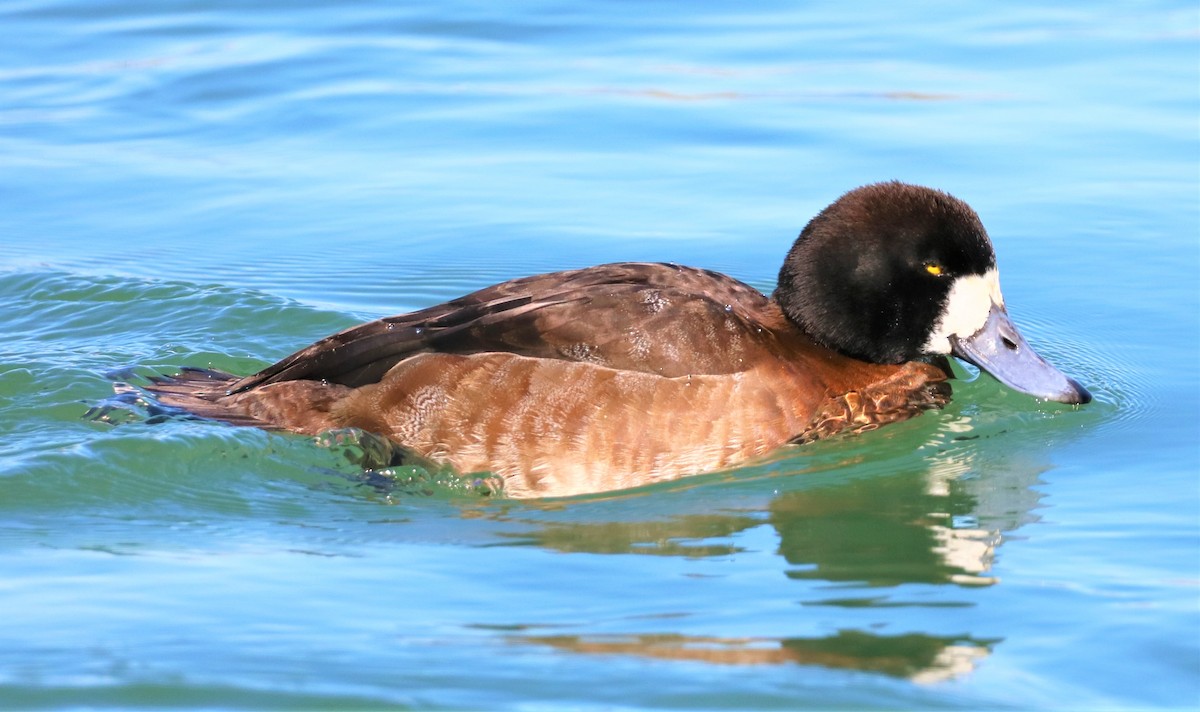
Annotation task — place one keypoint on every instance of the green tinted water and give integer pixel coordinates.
(218, 186)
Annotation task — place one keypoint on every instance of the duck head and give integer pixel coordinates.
(892, 272)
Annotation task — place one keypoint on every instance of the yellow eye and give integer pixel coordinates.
(933, 268)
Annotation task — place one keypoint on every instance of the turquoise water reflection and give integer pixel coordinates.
(218, 185)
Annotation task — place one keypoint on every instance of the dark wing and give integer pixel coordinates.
(659, 318)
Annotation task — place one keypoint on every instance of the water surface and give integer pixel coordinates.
(217, 185)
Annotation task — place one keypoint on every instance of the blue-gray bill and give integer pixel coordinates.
(999, 349)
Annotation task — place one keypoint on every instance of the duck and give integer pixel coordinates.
(621, 375)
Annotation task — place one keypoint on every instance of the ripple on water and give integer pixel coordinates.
(1121, 386)
(56, 312)
(99, 326)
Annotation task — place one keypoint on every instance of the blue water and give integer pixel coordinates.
(218, 184)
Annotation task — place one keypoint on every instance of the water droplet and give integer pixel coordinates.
(728, 307)
(390, 326)
(418, 331)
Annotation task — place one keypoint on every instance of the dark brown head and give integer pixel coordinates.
(893, 272)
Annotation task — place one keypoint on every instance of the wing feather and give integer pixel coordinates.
(658, 318)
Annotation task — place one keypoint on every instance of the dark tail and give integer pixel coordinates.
(199, 391)
(299, 406)
(205, 393)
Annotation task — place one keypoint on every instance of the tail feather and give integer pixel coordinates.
(199, 391)
(298, 406)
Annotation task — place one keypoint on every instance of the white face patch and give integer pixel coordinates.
(971, 298)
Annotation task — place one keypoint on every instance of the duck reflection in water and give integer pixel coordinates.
(927, 524)
(920, 658)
